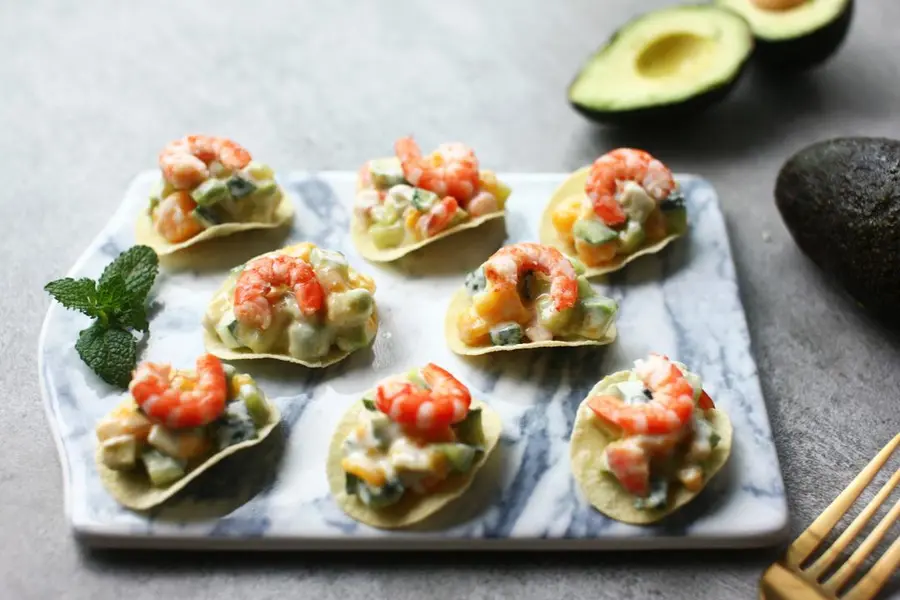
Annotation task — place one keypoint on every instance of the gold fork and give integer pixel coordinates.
(786, 580)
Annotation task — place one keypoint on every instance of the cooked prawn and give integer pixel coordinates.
(125, 419)
(509, 264)
(185, 162)
(629, 463)
(438, 217)
(265, 281)
(174, 219)
(670, 408)
(616, 167)
(179, 399)
(445, 403)
(451, 170)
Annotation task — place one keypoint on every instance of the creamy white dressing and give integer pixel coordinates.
(635, 201)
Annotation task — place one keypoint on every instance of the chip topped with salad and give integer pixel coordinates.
(209, 187)
(302, 304)
(528, 295)
(409, 447)
(409, 200)
(647, 441)
(625, 205)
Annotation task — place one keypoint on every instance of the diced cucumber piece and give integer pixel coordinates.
(226, 329)
(120, 453)
(505, 334)
(369, 402)
(350, 307)
(555, 320)
(386, 173)
(585, 290)
(469, 430)
(676, 220)
(415, 377)
(255, 403)
(386, 495)
(259, 171)
(161, 469)
(460, 456)
(263, 190)
(321, 258)
(382, 429)
(577, 265)
(235, 426)
(423, 200)
(306, 340)
(636, 203)
(675, 201)
(597, 312)
(593, 231)
(240, 186)
(631, 237)
(657, 498)
(384, 214)
(353, 338)
(475, 281)
(210, 191)
(209, 215)
(387, 236)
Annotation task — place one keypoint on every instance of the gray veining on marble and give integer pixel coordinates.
(683, 302)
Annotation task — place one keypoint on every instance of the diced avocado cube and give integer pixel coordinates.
(264, 189)
(388, 494)
(255, 403)
(676, 220)
(305, 340)
(240, 186)
(469, 430)
(555, 320)
(460, 456)
(387, 236)
(120, 453)
(505, 334)
(636, 203)
(423, 200)
(475, 281)
(593, 231)
(161, 469)
(351, 307)
(208, 215)
(585, 290)
(353, 338)
(631, 237)
(597, 311)
(210, 191)
(385, 173)
(259, 171)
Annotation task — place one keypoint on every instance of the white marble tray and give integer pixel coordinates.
(683, 302)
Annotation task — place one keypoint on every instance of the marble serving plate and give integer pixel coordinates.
(683, 302)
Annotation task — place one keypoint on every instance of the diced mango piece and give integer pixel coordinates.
(691, 478)
(300, 250)
(595, 256)
(487, 181)
(410, 219)
(655, 226)
(473, 330)
(495, 306)
(565, 215)
(370, 473)
(358, 280)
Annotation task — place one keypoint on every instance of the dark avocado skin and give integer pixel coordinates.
(840, 200)
(807, 51)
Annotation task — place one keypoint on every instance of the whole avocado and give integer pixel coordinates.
(840, 200)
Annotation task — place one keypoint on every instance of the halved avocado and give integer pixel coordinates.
(664, 64)
(795, 38)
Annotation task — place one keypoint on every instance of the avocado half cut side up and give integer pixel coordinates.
(796, 38)
(664, 65)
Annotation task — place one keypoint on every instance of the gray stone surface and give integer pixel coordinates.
(89, 92)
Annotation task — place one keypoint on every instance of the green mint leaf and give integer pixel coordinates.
(111, 353)
(137, 267)
(112, 292)
(75, 294)
(132, 314)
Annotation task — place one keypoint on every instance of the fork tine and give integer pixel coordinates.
(878, 575)
(810, 539)
(839, 579)
(828, 557)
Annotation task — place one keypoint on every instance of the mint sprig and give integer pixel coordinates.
(118, 304)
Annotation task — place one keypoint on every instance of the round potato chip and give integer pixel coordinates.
(460, 303)
(590, 437)
(412, 508)
(574, 186)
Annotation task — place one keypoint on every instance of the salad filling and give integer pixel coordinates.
(302, 303)
(530, 293)
(210, 184)
(177, 423)
(630, 204)
(662, 439)
(410, 446)
(406, 200)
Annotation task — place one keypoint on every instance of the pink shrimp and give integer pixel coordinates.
(669, 409)
(451, 170)
(174, 219)
(265, 280)
(185, 162)
(613, 169)
(180, 399)
(628, 462)
(504, 269)
(445, 403)
(438, 217)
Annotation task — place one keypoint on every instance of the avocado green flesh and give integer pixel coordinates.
(840, 200)
(787, 24)
(663, 58)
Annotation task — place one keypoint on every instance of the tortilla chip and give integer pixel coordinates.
(412, 508)
(460, 303)
(145, 233)
(603, 491)
(368, 250)
(574, 186)
(133, 489)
